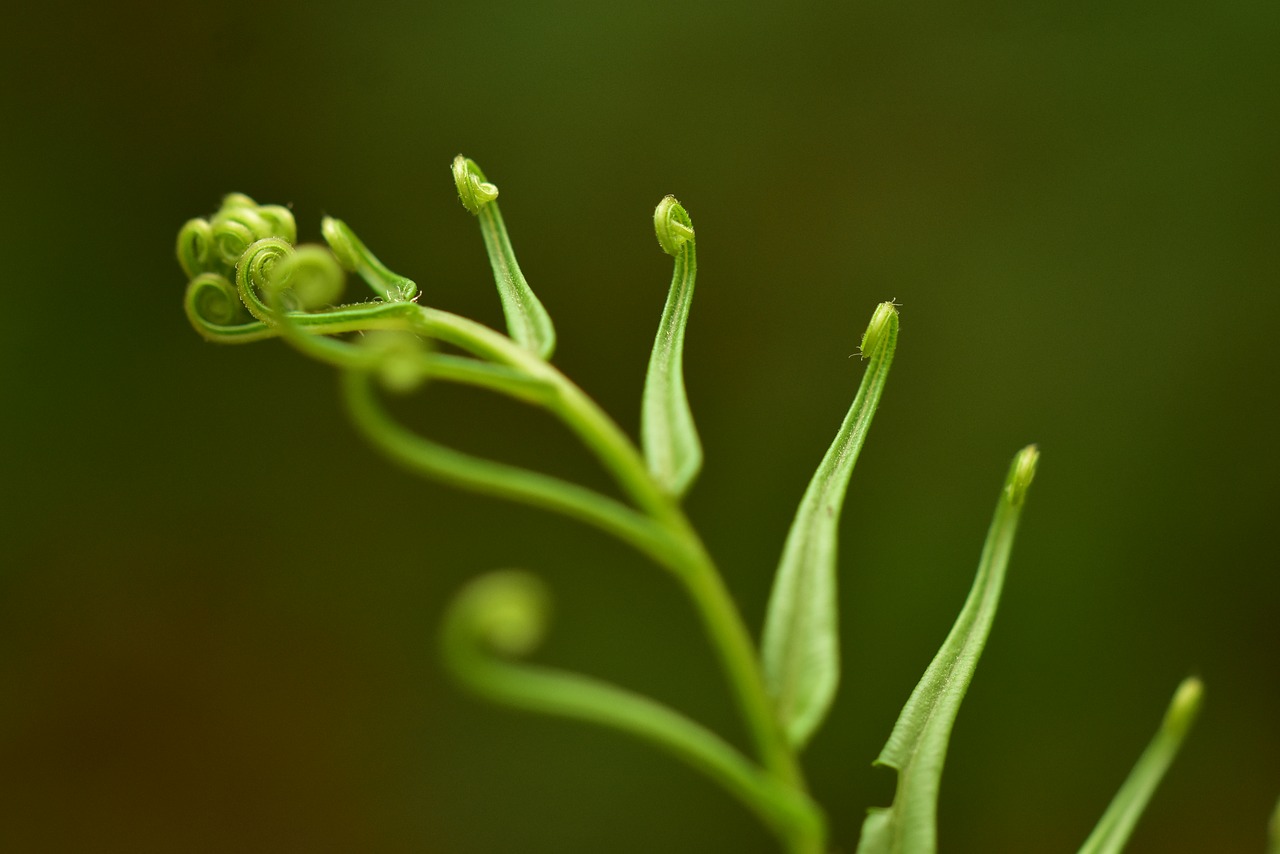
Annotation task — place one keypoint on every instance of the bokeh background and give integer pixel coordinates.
(218, 608)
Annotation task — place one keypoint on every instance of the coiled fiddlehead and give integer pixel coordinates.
(221, 310)
(214, 309)
(672, 225)
(254, 275)
(502, 617)
(234, 228)
(310, 277)
(473, 190)
(195, 248)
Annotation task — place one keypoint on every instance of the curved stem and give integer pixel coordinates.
(663, 531)
(480, 475)
(499, 618)
(688, 560)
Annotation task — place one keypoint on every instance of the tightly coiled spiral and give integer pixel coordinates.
(216, 244)
(295, 279)
(474, 191)
(672, 225)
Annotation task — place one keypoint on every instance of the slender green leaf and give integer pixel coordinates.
(503, 615)
(917, 747)
(356, 257)
(801, 642)
(1117, 823)
(527, 321)
(671, 446)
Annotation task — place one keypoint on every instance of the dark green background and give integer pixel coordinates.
(218, 607)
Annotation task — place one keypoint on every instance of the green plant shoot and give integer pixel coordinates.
(247, 281)
(1117, 823)
(917, 747)
(670, 440)
(801, 639)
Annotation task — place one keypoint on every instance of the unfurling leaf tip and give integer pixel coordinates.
(506, 610)
(1022, 473)
(672, 225)
(883, 322)
(473, 190)
(398, 359)
(1185, 705)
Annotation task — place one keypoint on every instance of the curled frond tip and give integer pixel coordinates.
(1022, 473)
(312, 274)
(1185, 705)
(883, 321)
(398, 359)
(672, 225)
(506, 611)
(474, 191)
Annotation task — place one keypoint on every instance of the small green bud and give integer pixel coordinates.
(1023, 472)
(212, 299)
(281, 220)
(474, 191)
(1184, 706)
(507, 610)
(237, 200)
(195, 247)
(672, 225)
(878, 329)
(399, 359)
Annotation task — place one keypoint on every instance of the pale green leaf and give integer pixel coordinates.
(672, 450)
(917, 747)
(801, 642)
(1117, 823)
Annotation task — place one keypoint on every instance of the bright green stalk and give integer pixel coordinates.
(801, 640)
(1117, 823)
(686, 556)
(917, 747)
(667, 432)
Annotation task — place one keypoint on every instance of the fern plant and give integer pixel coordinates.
(248, 281)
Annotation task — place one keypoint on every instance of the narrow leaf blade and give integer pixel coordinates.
(917, 747)
(672, 449)
(528, 322)
(801, 642)
(1118, 822)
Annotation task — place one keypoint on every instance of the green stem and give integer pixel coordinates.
(689, 560)
(500, 618)
(665, 535)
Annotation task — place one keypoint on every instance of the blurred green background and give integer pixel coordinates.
(218, 608)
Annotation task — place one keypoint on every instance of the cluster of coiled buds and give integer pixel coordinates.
(247, 279)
